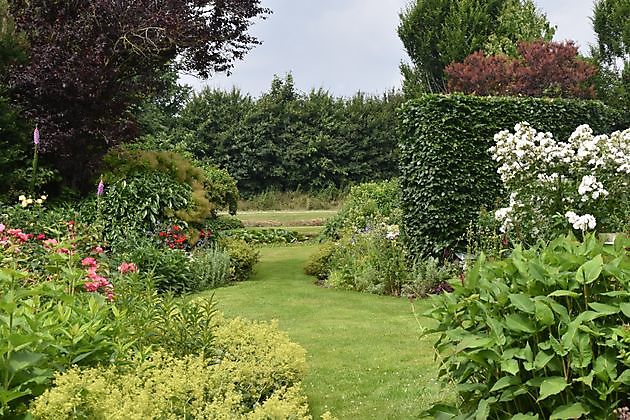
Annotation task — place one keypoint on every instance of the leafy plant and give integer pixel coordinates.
(243, 258)
(210, 267)
(540, 334)
(254, 372)
(371, 260)
(430, 276)
(367, 204)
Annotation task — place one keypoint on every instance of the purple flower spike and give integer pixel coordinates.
(100, 188)
(36, 136)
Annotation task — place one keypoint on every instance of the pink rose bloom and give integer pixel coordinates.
(41, 237)
(14, 232)
(50, 242)
(98, 250)
(2, 227)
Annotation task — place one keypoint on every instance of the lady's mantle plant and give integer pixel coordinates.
(584, 181)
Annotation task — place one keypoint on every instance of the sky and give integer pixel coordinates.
(345, 46)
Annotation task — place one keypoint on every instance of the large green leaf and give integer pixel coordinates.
(552, 386)
(625, 308)
(525, 417)
(569, 411)
(603, 308)
(590, 270)
(505, 382)
(542, 359)
(522, 302)
(519, 323)
(543, 313)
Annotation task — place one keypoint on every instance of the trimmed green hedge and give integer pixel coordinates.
(447, 173)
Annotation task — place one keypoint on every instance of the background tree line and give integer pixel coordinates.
(284, 140)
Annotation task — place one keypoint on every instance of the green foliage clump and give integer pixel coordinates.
(170, 269)
(210, 268)
(243, 257)
(318, 263)
(543, 333)
(366, 204)
(256, 370)
(212, 189)
(447, 170)
(371, 261)
(223, 222)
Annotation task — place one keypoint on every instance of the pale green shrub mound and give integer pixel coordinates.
(254, 373)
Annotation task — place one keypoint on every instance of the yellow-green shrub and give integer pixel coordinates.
(255, 373)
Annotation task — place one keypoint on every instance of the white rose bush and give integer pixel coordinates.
(582, 183)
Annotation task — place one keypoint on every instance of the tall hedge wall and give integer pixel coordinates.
(447, 173)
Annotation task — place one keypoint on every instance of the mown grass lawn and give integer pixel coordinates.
(366, 357)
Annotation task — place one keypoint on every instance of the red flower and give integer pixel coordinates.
(41, 237)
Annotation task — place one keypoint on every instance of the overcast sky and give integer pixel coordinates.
(345, 46)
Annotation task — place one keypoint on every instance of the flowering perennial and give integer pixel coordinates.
(549, 179)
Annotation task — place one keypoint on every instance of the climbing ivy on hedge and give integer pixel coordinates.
(447, 173)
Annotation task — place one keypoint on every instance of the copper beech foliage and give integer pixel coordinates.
(92, 61)
(544, 69)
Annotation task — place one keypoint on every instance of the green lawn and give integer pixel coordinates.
(366, 358)
(285, 218)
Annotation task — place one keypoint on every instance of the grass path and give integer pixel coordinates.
(366, 359)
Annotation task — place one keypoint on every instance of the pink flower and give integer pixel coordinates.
(14, 232)
(125, 268)
(41, 237)
(89, 261)
(36, 136)
(2, 227)
(50, 242)
(63, 251)
(101, 188)
(98, 250)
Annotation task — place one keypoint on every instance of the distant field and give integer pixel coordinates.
(285, 218)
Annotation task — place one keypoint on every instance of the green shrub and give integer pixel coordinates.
(139, 203)
(170, 269)
(179, 326)
(243, 258)
(365, 205)
(371, 260)
(149, 187)
(43, 328)
(223, 222)
(318, 263)
(543, 333)
(430, 276)
(256, 371)
(210, 268)
(447, 172)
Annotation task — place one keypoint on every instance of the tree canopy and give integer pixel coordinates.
(91, 61)
(438, 32)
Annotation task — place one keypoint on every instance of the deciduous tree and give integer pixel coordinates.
(91, 61)
(438, 32)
